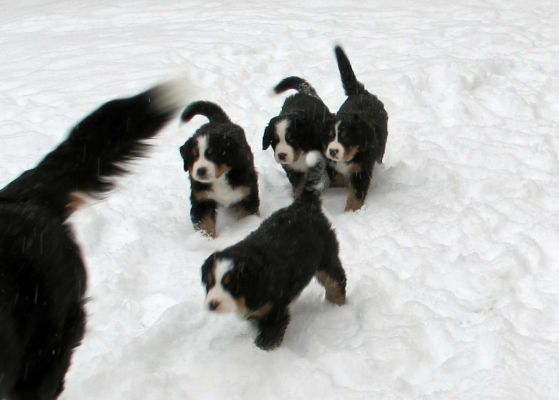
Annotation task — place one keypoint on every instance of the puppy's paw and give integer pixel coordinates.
(268, 340)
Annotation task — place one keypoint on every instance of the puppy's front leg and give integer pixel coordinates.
(203, 216)
(359, 182)
(272, 328)
(297, 180)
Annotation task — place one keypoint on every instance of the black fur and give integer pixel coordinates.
(299, 84)
(362, 131)
(273, 265)
(228, 149)
(308, 118)
(42, 274)
(211, 111)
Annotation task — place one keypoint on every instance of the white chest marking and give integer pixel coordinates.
(300, 165)
(342, 167)
(224, 194)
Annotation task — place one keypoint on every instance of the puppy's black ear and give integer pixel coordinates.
(186, 151)
(268, 132)
(207, 271)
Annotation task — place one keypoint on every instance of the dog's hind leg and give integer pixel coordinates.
(331, 275)
(48, 359)
(272, 328)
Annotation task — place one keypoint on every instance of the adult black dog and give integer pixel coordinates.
(42, 273)
(357, 136)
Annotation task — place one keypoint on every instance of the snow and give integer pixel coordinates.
(452, 263)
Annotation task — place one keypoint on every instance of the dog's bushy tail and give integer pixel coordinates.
(97, 150)
(315, 178)
(210, 110)
(296, 83)
(349, 81)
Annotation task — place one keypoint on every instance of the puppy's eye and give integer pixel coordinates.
(195, 152)
(332, 134)
(209, 152)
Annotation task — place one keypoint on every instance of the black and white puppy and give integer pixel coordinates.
(261, 275)
(297, 130)
(356, 137)
(221, 167)
(42, 273)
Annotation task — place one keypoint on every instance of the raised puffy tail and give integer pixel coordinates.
(349, 81)
(315, 178)
(210, 110)
(296, 83)
(96, 150)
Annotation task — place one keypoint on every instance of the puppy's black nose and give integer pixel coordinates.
(213, 305)
(201, 171)
(282, 156)
(333, 152)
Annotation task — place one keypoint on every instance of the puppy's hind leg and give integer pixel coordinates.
(331, 275)
(272, 328)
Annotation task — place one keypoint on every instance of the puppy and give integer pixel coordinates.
(221, 168)
(261, 275)
(356, 136)
(42, 273)
(297, 129)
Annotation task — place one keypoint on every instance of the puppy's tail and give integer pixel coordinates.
(296, 83)
(316, 178)
(210, 110)
(349, 81)
(96, 150)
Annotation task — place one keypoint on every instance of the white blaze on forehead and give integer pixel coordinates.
(336, 145)
(283, 146)
(203, 162)
(217, 293)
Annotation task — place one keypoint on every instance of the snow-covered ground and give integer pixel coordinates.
(453, 272)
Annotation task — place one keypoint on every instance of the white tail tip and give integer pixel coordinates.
(313, 158)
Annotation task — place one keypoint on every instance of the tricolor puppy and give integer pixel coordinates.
(261, 275)
(297, 130)
(42, 272)
(221, 167)
(356, 137)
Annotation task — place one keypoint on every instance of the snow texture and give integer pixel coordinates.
(453, 278)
